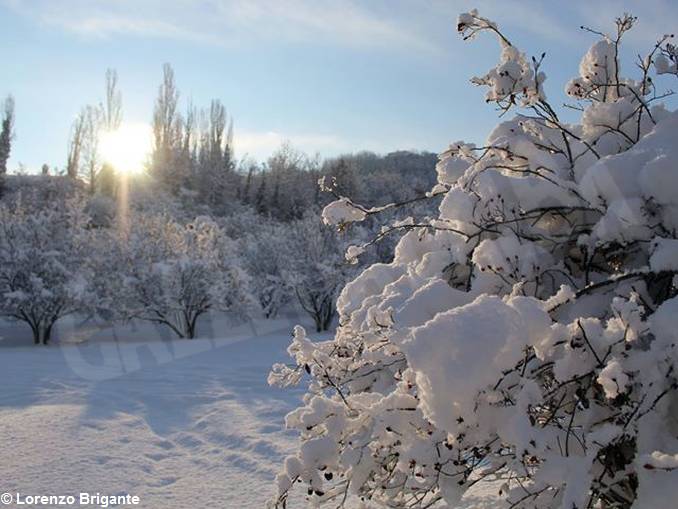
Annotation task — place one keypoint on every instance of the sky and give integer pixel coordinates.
(329, 76)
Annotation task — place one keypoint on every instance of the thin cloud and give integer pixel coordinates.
(541, 19)
(516, 16)
(261, 145)
(655, 19)
(231, 22)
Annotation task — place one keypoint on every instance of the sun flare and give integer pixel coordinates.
(127, 148)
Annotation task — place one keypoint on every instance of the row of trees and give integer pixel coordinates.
(193, 157)
(193, 160)
(267, 213)
(202, 230)
(192, 151)
(55, 260)
(298, 261)
(84, 159)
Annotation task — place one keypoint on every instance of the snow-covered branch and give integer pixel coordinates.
(527, 333)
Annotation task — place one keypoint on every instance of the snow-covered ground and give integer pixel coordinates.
(179, 423)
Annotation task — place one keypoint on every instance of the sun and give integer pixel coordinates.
(127, 148)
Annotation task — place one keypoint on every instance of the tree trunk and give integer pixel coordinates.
(47, 334)
(190, 330)
(329, 315)
(192, 323)
(41, 334)
(36, 335)
(181, 333)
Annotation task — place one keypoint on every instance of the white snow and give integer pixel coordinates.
(446, 351)
(342, 211)
(127, 410)
(613, 379)
(180, 423)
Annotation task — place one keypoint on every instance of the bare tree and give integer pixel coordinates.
(165, 114)
(113, 105)
(217, 127)
(75, 145)
(83, 145)
(167, 131)
(190, 135)
(6, 137)
(94, 121)
(229, 139)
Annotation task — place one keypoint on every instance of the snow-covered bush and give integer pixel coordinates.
(267, 256)
(101, 210)
(316, 268)
(172, 274)
(527, 335)
(42, 274)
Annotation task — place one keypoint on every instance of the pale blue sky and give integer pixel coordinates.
(331, 76)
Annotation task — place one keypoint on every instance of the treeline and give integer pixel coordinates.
(193, 159)
(57, 259)
(163, 259)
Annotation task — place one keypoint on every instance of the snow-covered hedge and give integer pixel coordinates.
(527, 335)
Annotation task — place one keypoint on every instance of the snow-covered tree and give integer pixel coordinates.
(316, 269)
(267, 256)
(527, 335)
(43, 276)
(287, 187)
(173, 274)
